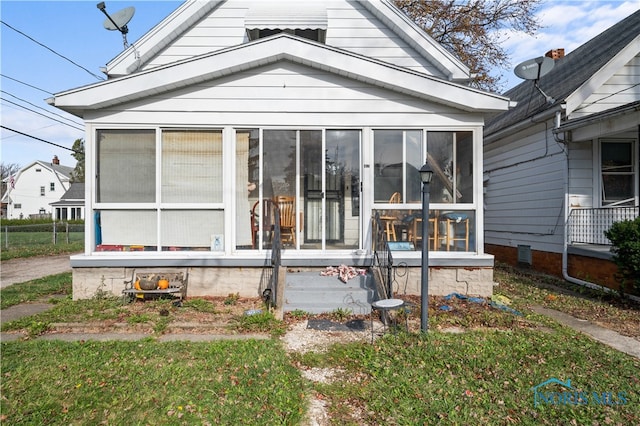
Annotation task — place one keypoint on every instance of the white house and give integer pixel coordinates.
(560, 171)
(329, 107)
(35, 187)
(71, 204)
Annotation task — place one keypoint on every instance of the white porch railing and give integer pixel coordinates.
(587, 226)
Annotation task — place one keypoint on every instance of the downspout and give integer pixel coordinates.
(565, 244)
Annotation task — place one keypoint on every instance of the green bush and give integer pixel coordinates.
(625, 241)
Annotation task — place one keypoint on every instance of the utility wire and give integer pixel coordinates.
(39, 113)
(26, 84)
(51, 50)
(43, 109)
(38, 139)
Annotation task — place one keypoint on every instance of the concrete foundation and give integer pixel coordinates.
(250, 281)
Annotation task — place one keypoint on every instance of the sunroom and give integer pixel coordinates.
(190, 157)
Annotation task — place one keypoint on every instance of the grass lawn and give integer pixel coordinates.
(485, 374)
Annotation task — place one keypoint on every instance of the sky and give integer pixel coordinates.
(47, 47)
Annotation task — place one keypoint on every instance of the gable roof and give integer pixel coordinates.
(575, 76)
(63, 171)
(281, 47)
(73, 196)
(189, 13)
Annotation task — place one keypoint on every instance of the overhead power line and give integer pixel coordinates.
(39, 113)
(51, 50)
(38, 139)
(26, 84)
(43, 109)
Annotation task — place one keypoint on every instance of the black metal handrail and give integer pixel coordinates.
(270, 294)
(382, 259)
(588, 225)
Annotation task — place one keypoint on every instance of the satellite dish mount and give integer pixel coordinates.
(533, 69)
(118, 21)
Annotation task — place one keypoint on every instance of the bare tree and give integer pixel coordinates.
(471, 30)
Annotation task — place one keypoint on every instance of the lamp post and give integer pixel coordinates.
(426, 173)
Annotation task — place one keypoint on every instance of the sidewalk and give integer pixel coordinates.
(608, 337)
(611, 338)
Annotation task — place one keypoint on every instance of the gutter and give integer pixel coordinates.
(523, 124)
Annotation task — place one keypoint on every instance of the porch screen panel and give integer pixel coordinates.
(129, 227)
(247, 180)
(388, 172)
(464, 166)
(126, 166)
(450, 155)
(414, 162)
(192, 166)
(191, 229)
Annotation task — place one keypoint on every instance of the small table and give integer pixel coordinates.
(384, 306)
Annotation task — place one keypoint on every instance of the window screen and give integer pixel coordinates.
(192, 166)
(126, 166)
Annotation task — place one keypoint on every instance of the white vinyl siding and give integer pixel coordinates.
(349, 26)
(581, 187)
(264, 95)
(525, 191)
(622, 88)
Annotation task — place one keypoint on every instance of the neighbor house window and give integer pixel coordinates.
(52, 186)
(42, 191)
(618, 169)
(17, 206)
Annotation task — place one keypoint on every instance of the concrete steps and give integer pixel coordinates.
(314, 293)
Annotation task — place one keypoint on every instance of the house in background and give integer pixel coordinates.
(327, 107)
(35, 187)
(71, 204)
(559, 172)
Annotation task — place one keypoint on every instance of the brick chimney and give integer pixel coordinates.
(55, 160)
(555, 54)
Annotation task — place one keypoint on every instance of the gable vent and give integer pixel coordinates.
(287, 15)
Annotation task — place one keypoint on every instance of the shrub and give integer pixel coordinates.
(625, 241)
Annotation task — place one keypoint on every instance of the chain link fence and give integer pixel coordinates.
(25, 236)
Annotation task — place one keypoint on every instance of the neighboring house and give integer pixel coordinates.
(71, 204)
(35, 187)
(558, 173)
(331, 106)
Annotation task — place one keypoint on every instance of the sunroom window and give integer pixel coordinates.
(188, 215)
(398, 157)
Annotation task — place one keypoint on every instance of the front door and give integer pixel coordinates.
(314, 174)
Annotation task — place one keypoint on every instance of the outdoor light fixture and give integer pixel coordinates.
(426, 173)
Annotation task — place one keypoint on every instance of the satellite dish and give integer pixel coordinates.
(535, 68)
(118, 21)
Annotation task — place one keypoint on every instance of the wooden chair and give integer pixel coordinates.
(454, 229)
(287, 207)
(391, 221)
(268, 220)
(415, 232)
